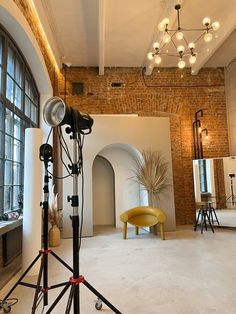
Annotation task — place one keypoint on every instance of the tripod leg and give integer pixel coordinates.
(38, 287)
(101, 297)
(210, 223)
(58, 298)
(202, 220)
(215, 215)
(198, 215)
(23, 275)
(70, 299)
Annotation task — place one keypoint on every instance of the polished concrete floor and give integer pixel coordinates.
(188, 273)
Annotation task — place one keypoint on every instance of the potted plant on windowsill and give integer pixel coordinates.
(54, 216)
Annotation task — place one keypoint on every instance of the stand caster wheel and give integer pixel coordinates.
(7, 309)
(98, 304)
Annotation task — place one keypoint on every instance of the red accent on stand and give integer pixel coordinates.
(77, 280)
(45, 251)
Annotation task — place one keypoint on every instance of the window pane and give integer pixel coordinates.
(10, 90)
(1, 145)
(1, 117)
(7, 197)
(9, 122)
(16, 192)
(17, 127)
(18, 97)
(16, 174)
(1, 177)
(17, 150)
(8, 147)
(10, 62)
(1, 198)
(27, 87)
(8, 173)
(1, 80)
(18, 72)
(27, 106)
(1, 48)
(33, 113)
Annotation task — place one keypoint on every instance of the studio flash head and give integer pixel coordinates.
(45, 152)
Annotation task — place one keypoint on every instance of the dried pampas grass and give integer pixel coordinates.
(150, 171)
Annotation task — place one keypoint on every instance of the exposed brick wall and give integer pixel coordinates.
(175, 95)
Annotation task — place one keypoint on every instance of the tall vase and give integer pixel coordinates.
(153, 199)
(54, 236)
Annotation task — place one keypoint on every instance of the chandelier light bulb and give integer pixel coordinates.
(157, 59)
(181, 64)
(179, 35)
(191, 45)
(206, 21)
(161, 27)
(166, 38)
(192, 59)
(165, 21)
(156, 45)
(150, 56)
(208, 37)
(215, 26)
(180, 48)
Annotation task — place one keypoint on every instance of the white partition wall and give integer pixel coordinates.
(32, 213)
(137, 133)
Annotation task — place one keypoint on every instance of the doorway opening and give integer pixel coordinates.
(103, 195)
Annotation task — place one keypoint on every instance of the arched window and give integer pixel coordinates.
(19, 109)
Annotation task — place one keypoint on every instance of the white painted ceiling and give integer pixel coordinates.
(119, 33)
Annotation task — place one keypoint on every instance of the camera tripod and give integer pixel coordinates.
(75, 281)
(232, 196)
(41, 291)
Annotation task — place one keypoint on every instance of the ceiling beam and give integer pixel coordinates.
(170, 12)
(209, 49)
(101, 35)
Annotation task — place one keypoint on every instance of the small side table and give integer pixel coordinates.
(203, 217)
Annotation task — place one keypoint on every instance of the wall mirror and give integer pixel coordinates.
(215, 182)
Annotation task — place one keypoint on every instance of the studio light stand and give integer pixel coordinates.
(56, 113)
(41, 291)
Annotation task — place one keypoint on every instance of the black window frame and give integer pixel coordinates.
(12, 155)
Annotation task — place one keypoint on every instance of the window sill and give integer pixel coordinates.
(6, 226)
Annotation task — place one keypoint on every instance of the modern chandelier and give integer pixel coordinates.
(177, 38)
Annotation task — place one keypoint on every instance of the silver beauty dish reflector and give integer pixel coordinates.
(57, 113)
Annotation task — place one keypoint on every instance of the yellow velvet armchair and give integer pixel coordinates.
(144, 216)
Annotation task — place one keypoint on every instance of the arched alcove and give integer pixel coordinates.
(127, 192)
(103, 193)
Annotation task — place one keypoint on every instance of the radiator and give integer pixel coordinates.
(12, 244)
